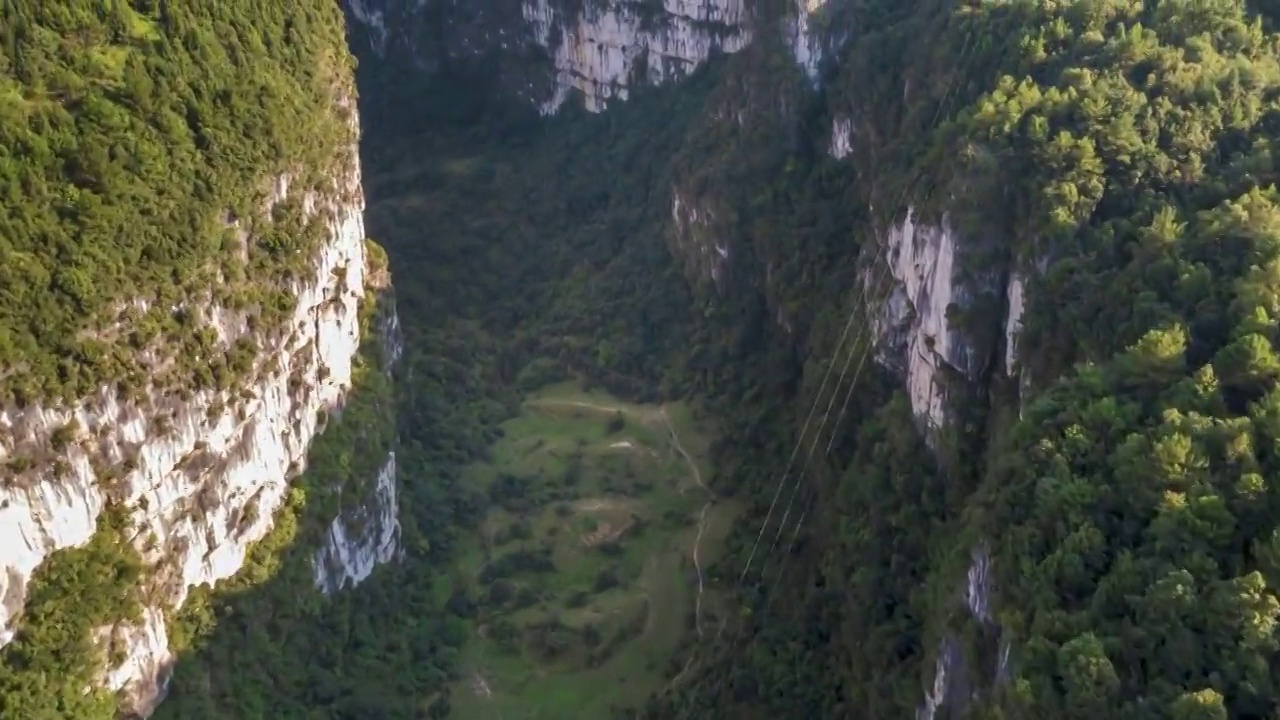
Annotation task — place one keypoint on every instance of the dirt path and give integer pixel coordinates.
(702, 517)
(698, 565)
(605, 503)
(481, 686)
(479, 683)
(581, 404)
(603, 534)
(697, 480)
(675, 440)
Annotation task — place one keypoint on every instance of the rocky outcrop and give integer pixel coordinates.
(953, 684)
(604, 51)
(599, 49)
(803, 36)
(1015, 306)
(705, 254)
(841, 138)
(920, 338)
(362, 538)
(914, 331)
(202, 473)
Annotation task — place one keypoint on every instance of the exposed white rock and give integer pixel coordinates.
(695, 236)
(392, 339)
(373, 20)
(239, 453)
(806, 46)
(949, 671)
(362, 540)
(977, 588)
(841, 138)
(201, 476)
(1013, 322)
(939, 692)
(602, 50)
(145, 668)
(916, 338)
(914, 334)
(607, 49)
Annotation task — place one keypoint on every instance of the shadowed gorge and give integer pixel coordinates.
(580, 360)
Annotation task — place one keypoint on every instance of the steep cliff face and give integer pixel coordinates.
(551, 50)
(694, 235)
(602, 52)
(805, 37)
(200, 474)
(914, 335)
(366, 533)
(938, 307)
(953, 546)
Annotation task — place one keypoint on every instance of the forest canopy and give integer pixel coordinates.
(132, 136)
(1122, 153)
(1135, 504)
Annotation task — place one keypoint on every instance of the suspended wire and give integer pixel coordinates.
(795, 450)
(768, 594)
(817, 436)
(884, 271)
(795, 535)
(853, 314)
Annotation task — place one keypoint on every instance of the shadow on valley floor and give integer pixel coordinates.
(567, 597)
(585, 576)
(555, 539)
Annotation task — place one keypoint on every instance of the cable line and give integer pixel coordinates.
(880, 257)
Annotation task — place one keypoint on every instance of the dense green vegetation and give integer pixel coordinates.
(543, 248)
(264, 644)
(45, 669)
(478, 317)
(1130, 508)
(1134, 501)
(131, 134)
(580, 579)
(1124, 486)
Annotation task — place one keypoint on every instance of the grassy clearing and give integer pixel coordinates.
(581, 579)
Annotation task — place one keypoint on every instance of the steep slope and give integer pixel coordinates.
(1051, 226)
(1015, 260)
(1083, 307)
(184, 272)
(549, 50)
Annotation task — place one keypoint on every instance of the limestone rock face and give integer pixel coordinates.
(201, 476)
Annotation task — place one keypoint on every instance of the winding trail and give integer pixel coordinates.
(581, 404)
(675, 440)
(697, 604)
(697, 480)
(702, 516)
(479, 684)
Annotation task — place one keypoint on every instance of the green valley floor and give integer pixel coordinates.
(586, 574)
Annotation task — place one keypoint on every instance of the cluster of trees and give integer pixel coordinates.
(524, 277)
(267, 644)
(1133, 505)
(55, 653)
(1125, 147)
(133, 133)
(540, 249)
